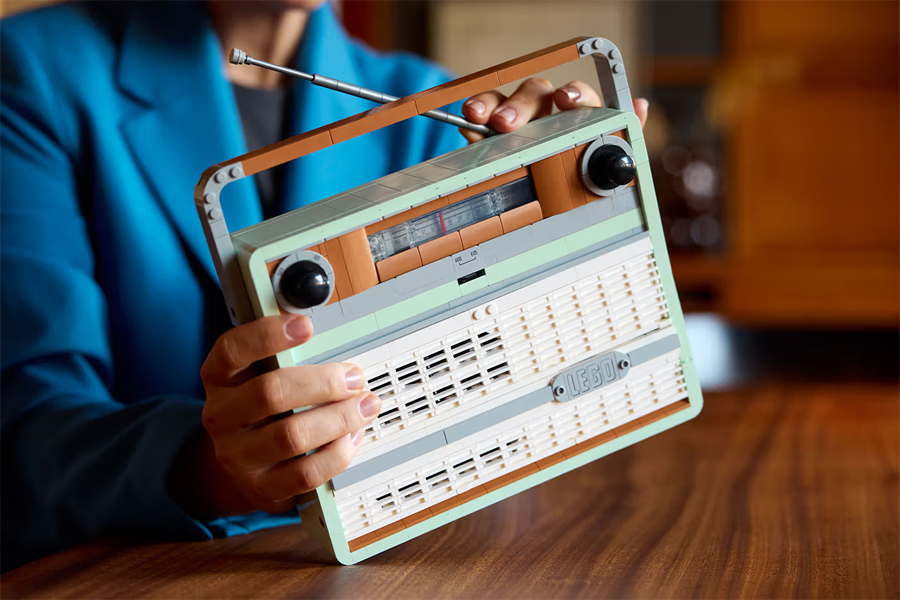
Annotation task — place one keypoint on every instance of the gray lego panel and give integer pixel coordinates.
(348, 203)
(432, 173)
(327, 317)
(403, 182)
(430, 276)
(389, 460)
(654, 349)
(589, 375)
(497, 415)
(374, 299)
(398, 330)
(469, 261)
(513, 243)
(374, 192)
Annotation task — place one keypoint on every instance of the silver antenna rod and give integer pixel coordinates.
(239, 57)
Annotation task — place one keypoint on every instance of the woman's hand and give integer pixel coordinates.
(534, 99)
(253, 454)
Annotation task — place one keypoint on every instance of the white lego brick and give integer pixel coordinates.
(372, 358)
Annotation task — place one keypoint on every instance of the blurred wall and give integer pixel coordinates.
(470, 36)
(811, 107)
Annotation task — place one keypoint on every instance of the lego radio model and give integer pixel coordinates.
(511, 303)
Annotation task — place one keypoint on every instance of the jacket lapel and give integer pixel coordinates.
(172, 69)
(326, 49)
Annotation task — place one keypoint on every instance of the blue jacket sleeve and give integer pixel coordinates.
(75, 461)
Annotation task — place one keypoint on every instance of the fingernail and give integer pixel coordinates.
(643, 101)
(370, 406)
(356, 437)
(298, 329)
(477, 105)
(354, 379)
(507, 114)
(572, 92)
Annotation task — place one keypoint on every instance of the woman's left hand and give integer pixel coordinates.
(534, 99)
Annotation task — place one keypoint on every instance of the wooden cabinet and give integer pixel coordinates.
(813, 122)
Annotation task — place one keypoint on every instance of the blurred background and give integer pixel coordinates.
(774, 136)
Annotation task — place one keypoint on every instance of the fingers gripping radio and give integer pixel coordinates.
(511, 302)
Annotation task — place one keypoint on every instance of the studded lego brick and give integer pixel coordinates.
(481, 232)
(416, 518)
(495, 484)
(553, 459)
(524, 472)
(442, 507)
(398, 264)
(475, 492)
(444, 246)
(362, 542)
(390, 530)
(521, 216)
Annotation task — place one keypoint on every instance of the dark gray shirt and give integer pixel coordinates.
(263, 118)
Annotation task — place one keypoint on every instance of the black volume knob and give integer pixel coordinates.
(304, 284)
(610, 166)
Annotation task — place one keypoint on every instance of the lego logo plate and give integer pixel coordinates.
(590, 374)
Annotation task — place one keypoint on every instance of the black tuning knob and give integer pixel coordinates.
(304, 284)
(610, 166)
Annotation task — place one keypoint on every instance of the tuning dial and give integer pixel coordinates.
(610, 166)
(305, 284)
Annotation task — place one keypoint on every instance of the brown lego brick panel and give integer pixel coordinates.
(553, 459)
(286, 150)
(487, 185)
(677, 407)
(520, 217)
(272, 266)
(551, 186)
(495, 484)
(481, 232)
(628, 428)
(517, 475)
(358, 261)
(536, 62)
(476, 492)
(398, 264)
(418, 211)
(362, 542)
(572, 165)
(404, 108)
(442, 507)
(486, 79)
(332, 251)
(524, 472)
(416, 518)
(390, 530)
(452, 91)
(444, 246)
(589, 196)
(376, 118)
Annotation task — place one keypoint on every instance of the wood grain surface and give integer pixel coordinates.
(776, 492)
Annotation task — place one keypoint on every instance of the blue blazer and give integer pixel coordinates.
(110, 303)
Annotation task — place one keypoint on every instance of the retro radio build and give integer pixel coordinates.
(511, 303)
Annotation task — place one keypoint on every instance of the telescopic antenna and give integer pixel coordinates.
(239, 57)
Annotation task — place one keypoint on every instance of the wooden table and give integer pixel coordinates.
(788, 491)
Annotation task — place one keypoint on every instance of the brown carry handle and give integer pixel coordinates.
(207, 193)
